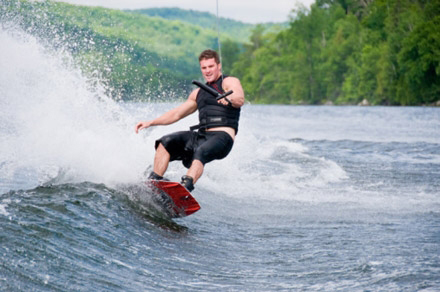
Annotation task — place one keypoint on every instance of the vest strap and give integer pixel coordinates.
(218, 121)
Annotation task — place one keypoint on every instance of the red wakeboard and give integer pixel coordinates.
(182, 203)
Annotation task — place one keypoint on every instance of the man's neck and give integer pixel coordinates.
(220, 76)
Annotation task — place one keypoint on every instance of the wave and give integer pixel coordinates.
(52, 120)
(275, 169)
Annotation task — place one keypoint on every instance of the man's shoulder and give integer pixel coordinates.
(231, 80)
(193, 94)
(229, 76)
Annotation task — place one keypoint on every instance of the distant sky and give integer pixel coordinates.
(250, 11)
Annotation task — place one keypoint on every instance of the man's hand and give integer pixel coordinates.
(224, 101)
(142, 125)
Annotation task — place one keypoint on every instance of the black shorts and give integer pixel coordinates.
(203, 146)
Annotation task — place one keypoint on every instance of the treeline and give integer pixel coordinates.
(340, 51)
(345, 51)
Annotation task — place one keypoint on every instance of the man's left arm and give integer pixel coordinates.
(237, 97)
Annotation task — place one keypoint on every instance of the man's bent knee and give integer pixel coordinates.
(161, 149)
(161, 160)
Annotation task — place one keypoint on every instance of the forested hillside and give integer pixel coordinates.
(238, 31)
(386, 52)
(135, 56)
(383, 52)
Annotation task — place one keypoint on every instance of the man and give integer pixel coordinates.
(218, 124)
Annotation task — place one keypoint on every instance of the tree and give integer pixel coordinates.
(419, 62)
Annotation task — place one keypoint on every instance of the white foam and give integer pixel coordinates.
(3, 210)
(51, 119)
(272, 169)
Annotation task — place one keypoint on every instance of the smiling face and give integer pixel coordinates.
(211, 71)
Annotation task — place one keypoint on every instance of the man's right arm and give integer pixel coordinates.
(174, 115)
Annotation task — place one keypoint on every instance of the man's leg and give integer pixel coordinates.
(218, 146)
(161, 160)
(196, 170)
(192, 175)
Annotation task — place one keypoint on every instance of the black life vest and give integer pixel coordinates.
(213, 114)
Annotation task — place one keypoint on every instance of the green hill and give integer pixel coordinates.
(131, 53)
(237, 30)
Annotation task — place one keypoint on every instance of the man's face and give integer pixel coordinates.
(211, 71)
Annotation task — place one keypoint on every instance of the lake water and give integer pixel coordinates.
(310, 198)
